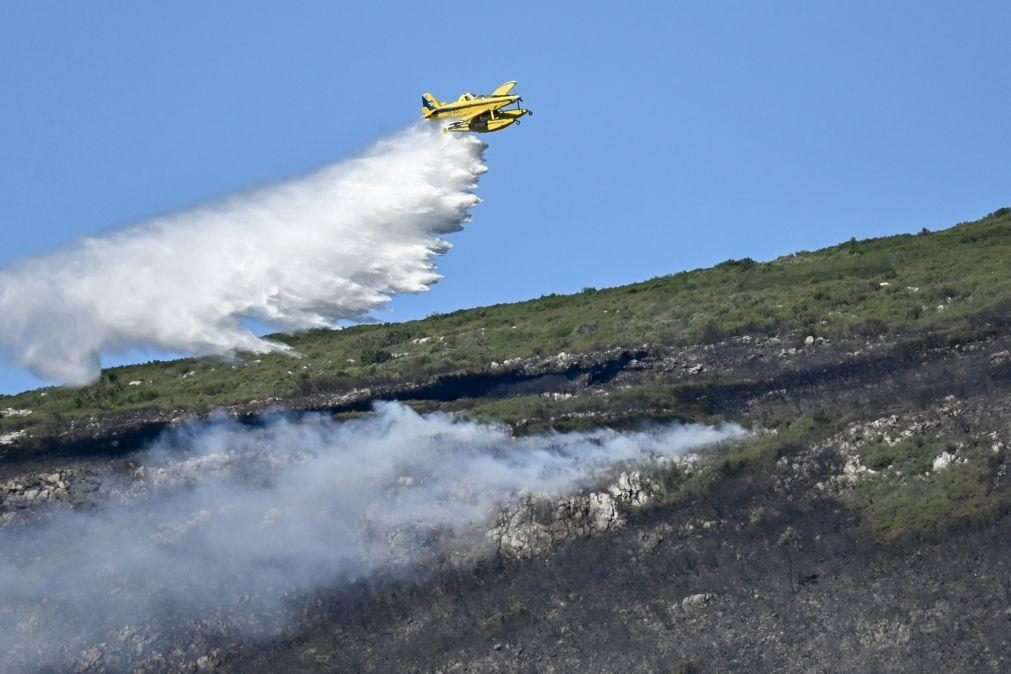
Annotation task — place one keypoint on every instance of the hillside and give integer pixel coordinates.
(862, 524)
(944, 285)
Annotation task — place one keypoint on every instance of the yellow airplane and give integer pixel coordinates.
(482, 114)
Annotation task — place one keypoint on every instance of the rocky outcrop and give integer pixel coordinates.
(535, 524)
(26, 497)
(13, 437)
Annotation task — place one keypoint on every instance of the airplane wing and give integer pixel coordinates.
(504, 88)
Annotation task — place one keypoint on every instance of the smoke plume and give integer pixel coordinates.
(228, 520)
(308, 253)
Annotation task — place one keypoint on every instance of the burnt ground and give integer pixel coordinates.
(799, 592)
(765, 569)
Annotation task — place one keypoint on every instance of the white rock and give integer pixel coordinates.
(630, 489)
(604, 513)
(10, 438)
(854, 469)
(942, 460)
(809, 340)
(135, 382)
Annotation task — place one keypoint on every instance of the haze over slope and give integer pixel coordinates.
(308, 253)
(876, 374)
(235, 521)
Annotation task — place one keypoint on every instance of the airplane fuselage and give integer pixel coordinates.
(481, 114)
(472, 107)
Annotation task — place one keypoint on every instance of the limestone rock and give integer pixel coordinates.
(942, 460)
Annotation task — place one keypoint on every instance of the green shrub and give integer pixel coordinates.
(374, 356)
(908, 499)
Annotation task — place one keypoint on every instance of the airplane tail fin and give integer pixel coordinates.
(428, 104)
(504, 88)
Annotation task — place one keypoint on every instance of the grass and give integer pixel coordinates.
(534, 413)
(948, 281)
(756, 455)
(908, 499)
(905, 499)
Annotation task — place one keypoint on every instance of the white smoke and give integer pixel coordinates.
(308, 253)
(227, 519)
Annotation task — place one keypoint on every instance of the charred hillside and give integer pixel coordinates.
(862, 524)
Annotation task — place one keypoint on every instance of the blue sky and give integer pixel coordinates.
(666, 136)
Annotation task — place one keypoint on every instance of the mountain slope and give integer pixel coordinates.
(905, 287)
(862, 525)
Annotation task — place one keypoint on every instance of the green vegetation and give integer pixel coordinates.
(754, 456)
(908, 499)
(944, 283)
(534, 413)
(922, 290)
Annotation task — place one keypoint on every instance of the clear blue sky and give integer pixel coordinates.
(666, 136)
